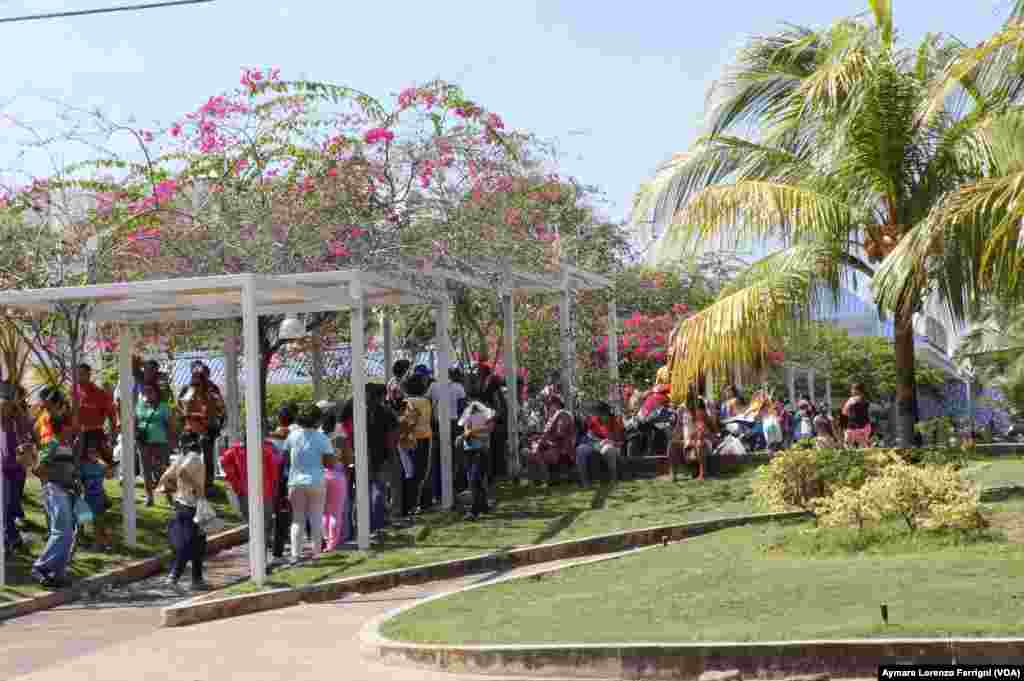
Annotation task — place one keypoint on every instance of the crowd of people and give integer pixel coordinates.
(308, 461)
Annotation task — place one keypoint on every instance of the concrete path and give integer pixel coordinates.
(111, 640)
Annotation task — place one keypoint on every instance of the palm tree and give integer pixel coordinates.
(835, 143)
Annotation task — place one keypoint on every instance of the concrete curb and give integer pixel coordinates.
(194, 612)
(858, 658)
(131, 572)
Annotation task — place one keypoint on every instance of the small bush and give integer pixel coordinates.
(924, 496)
(848, 507)
(791, 480)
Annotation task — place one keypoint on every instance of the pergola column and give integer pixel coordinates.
(444, 418)
(127, 376)
(357, 323)
(791, 384)
(508, 307)
(566, 337)
(828, 392)
(810, 384)
(614, 389)
(253, 434)
(737, 378)
(231, 396)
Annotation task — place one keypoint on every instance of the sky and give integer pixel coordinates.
(618, 86)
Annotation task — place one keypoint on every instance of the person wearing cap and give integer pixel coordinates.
(95, 409)
(202, 409)
(557, 444)
(394, 387)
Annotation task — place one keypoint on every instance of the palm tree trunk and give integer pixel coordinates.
(906, 380)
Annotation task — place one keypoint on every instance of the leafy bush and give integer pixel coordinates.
(279, 395)
(921, 496)
(848, 506)
(792, 479)
(937, 431)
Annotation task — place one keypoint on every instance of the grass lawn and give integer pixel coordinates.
(996, 471)
(769, 582)
(530, 515)
(152, 538)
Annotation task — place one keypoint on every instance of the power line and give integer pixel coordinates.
(104, 10)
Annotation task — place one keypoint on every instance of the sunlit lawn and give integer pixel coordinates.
(765, 582)
(531, 515)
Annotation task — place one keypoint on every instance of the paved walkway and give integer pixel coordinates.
(118, 637)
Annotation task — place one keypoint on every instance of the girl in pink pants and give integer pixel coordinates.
(334, 507)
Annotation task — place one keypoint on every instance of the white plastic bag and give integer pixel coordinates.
(731, 446)
(206, 517)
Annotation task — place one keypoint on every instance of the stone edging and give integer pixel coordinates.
(196, 611)
(857, 658)
(132, 572)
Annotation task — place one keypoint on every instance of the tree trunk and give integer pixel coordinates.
(906, 381)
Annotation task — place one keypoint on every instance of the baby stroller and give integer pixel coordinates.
(740, 438)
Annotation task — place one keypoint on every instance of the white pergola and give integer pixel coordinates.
(248, 296)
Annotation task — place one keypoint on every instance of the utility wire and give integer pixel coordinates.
(104, 10)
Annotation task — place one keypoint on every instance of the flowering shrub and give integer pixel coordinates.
(848, 506)
(792, 480)
(925, 496)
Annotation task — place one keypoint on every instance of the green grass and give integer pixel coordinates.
(151, 526)
(530, 515)
(769, 582)
(996, 471)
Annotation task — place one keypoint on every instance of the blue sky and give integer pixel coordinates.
(618, 85)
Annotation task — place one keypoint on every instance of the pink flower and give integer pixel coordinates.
(356, 232)
(147, 136)
(378, 134)
(494, 121)
(407, 98)
(176, 130)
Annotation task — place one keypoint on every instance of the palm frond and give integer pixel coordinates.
(883, 19)
(758, 209)
(774, 296)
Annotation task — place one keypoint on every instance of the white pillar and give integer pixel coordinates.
(231, 398)
(828, 393)
(737, 378)
(810, 384)
(791, 384)
(357, 324)
(317, 370)
(127, 435)
(566, 345)
(511, 372)
(444, 416)
(615, 389)
(254, 435)
(389, 351)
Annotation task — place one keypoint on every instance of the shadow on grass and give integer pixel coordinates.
(557, 527)
(601, 496)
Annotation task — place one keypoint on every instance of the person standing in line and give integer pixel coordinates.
(857, 411)
(394, 391)
(59, 469)
(15, 432)
(186, 481)
(282, 510)
(156, 435)
(202, 408)
(423, 491)
(336, 489)
(95, 409)
(309, 452)
(456, 396)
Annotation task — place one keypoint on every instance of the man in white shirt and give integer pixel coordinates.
(456, 395)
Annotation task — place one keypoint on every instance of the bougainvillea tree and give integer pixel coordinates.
(280, 176)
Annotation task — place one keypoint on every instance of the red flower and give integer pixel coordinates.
(378, 134)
